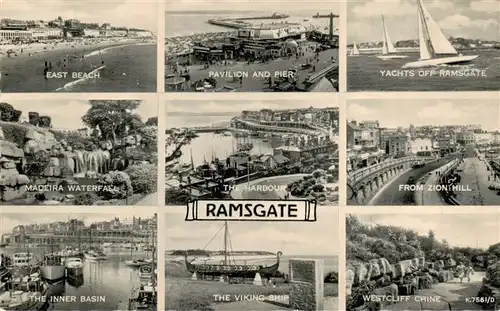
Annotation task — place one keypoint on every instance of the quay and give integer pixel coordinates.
(83, 236)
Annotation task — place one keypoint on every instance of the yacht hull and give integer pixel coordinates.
(395, 56)
(455, 60)
(53, 273)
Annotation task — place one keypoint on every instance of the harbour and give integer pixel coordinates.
(257, 156)
(101, 271)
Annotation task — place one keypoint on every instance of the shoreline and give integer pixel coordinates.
(25, 72)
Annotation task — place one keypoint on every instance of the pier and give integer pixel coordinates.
(239, 21)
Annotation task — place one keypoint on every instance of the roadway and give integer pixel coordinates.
(391, 195)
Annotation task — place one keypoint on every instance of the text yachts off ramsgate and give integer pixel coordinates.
(354, 50)
(231, 269)
(74, 267)
(435, 48)
(388, 49)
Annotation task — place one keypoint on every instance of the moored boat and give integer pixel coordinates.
(22, 259)
(52, 267)
(143, 297)
(26, 292)
(146, 271)
(95, 255)
(74, 267)
(136, 262)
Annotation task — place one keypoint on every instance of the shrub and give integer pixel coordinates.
(87, 198)
(143, 178)
(118, 185)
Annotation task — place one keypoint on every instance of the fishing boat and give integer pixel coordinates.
(435, 48)
(136, 262)
(143, 297)
(354, 50)
(26, 292)
(76, 281)
(52, 267)
(388, 49)
(232, 269)
(74, 267)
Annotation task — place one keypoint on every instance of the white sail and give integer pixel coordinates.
(355, 50)
(425, 49)
(440, 44)
(388, 46)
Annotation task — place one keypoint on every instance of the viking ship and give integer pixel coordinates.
(229, 267)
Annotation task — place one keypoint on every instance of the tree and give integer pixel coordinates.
(152, 121)
(8, 113)
(114, 118)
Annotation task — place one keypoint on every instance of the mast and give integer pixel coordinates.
(132, 245)
(225, 242)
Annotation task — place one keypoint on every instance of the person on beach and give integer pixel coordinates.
(460, 271)
(469, 271)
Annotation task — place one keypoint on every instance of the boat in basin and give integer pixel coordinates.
(74, 267)
(136, 262)
(95, 255)
(52, 267)
(143, 297)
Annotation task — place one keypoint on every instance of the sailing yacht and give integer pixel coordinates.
(435, 48)
(354, 50)
(388, 49)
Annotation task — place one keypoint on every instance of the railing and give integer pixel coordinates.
(366, 171)
(450, 200)
(281, 128)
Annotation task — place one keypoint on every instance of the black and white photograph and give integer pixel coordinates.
(77, 152)
(78, 46)
(422, 262)
(423, 151)
(251, 46)
(423, 45)
(263, 265)
(81, 261)
(252, 150)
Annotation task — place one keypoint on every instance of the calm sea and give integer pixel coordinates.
(109, 278)
(208, 145)
(363, 74)
(188, 23)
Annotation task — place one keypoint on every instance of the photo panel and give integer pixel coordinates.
(97, 152)
(430, 150)
(78, 46)
(251, 265)
(251, 150)
(252, 46)
(422, 261)
(423, 45)
(78, 261)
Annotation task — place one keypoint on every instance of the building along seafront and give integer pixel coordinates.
(33, 31)
(75, 231)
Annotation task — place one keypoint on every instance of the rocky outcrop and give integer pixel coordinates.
(12, 183)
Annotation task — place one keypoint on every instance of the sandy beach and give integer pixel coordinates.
(24, 72)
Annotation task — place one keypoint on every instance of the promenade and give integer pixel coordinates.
(475, 175)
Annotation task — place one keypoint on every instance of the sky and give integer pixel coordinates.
(10, 220)
(68, 114)
(394, 113)
(280, 6)
(128, 13)
(201, 106)
(292, 238)
(474, 19)
(457, 229)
